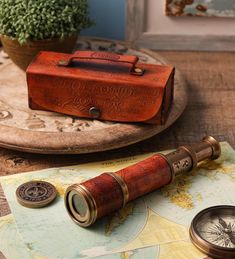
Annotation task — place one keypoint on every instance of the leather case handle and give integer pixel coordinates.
(106, 56)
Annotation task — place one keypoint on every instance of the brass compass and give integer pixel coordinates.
(213, 231)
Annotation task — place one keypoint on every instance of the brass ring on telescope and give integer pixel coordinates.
(192, 155)
(216, 150)
(123, 187)
(91, 215)
(171, 167)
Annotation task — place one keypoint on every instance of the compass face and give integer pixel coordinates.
(213, 231)
(218, 230)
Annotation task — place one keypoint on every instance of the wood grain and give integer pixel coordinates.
(134, 19)
(2, 256)
(210, 111)
(186, 42)
(4, 208)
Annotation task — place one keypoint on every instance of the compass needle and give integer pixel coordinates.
(222, 222)
(230, 226)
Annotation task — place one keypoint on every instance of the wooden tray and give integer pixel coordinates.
(51, 133)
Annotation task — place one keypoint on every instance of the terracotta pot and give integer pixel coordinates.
(22, 55)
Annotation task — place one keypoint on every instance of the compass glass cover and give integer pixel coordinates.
(218, 227)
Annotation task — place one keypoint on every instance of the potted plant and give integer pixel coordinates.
(29, 26)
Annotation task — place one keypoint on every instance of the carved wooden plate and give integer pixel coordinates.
(51, 133)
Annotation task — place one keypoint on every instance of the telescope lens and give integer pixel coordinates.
(79, 205)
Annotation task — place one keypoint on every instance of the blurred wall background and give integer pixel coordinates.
(109, 16)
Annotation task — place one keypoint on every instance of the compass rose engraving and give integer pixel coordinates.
(220, 231)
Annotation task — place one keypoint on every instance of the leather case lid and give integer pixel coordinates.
(72, 84)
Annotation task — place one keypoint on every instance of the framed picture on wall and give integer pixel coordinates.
(206, 25)
(201, 8)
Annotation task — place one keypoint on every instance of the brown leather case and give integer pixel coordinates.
(100, 85)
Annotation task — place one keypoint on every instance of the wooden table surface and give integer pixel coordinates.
(210, 111)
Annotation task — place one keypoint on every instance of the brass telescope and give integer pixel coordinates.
(88, 201)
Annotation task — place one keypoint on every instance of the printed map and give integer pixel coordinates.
(154, 226)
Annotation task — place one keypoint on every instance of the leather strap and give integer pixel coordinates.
(105, 56)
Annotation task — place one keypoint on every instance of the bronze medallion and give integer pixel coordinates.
(213, 231)
(35, 194)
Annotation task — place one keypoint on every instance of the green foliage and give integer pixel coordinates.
(42, 19)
